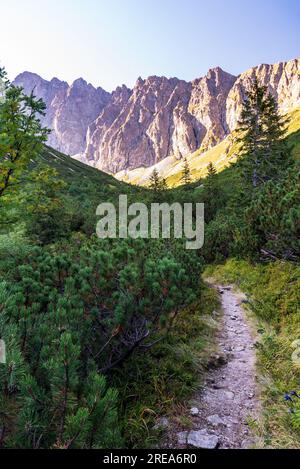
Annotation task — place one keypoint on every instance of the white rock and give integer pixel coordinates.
(215, 420)
(182, 438)
(163, 422)
(240, 349)
(229, 394)
(249, 443)
(202, 440)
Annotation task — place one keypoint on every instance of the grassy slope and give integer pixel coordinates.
(294, 133)
(221, 155)
(274, 292)
(71, 170)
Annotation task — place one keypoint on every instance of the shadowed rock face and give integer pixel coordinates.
(160, 117)
(70, 109)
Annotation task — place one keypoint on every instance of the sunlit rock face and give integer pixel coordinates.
(208, 105)
(282, 80)
(143, 126)
(159, 117)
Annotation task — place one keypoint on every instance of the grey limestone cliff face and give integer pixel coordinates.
(208, 104)
(164, 117)
(143, 126)
(159, 117)
(282, 80)
(70, 109)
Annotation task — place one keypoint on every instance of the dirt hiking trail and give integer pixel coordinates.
(222, 412)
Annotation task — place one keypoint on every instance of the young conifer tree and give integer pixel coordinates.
(262, 132)
(211, 170)
(211, 180)
(186, 173)
(211, 192)
(156, 183)
(21, 133)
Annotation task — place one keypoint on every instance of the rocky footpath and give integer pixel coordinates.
(223, 412)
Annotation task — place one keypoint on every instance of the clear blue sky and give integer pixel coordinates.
(110, 42)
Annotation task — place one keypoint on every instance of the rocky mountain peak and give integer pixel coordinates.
(218, 74)
(29, 77)
(159, 117)
(121, 93)
(70, 109)
(139, 82)
(143, 129)
(80, 83)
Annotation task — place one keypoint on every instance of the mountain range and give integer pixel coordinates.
(161, 120)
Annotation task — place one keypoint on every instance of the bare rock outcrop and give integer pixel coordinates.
(208, 105)
(143, 126)
(282, 80)
(70, 109)
(158, 118)
(161, 117)
(169, 117)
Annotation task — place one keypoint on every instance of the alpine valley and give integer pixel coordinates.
(130, 340)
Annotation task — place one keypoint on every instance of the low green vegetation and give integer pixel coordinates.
(106, 336)
(159, 383)
(87, 323)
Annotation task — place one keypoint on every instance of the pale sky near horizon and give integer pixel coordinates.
(111, 42)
